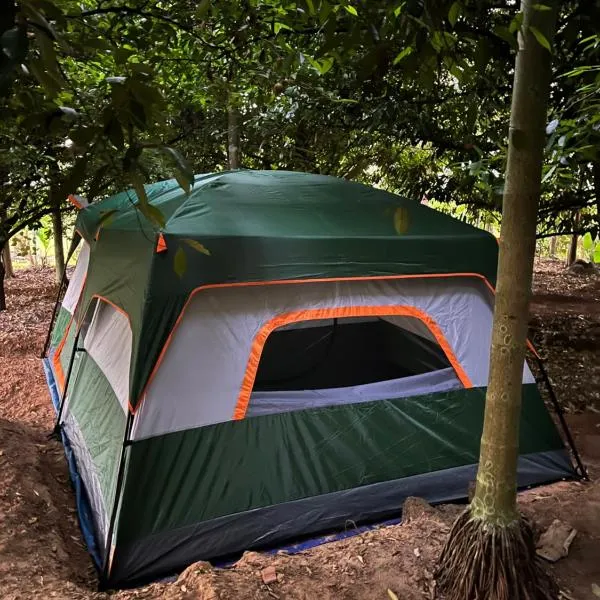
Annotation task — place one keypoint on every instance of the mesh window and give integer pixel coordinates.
(347, 352)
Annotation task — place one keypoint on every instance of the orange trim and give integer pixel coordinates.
(74, 200)
(212, 286)
(333, 313)
(58, 370)
(532, 348)
(161, 244)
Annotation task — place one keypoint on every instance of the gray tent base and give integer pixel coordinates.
(163, 554)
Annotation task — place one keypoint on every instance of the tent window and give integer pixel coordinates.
(347, 352)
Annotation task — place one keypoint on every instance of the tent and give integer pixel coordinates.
(287, 354)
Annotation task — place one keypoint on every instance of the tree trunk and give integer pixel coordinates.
(572, 255)
(2, 273)
(233, 138)
(553, 241)
(7, 260)
(59, 251)
(490, 552)
(596, 178)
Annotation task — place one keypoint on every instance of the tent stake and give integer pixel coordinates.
(561, 417)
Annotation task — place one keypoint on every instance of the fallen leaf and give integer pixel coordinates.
(554, 543)
(392, 595)
(596, 590)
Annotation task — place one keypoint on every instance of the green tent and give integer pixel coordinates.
(287, 354)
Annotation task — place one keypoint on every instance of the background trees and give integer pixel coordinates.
(409, 95)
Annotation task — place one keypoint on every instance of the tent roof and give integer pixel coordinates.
(277, 204)
(260, 227)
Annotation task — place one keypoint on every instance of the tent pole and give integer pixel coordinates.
(64, 281)
(113, 517)
(59, 295)
(563, 422)
(56, 429)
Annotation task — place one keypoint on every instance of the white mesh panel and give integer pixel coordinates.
(77, 280)
(108, 341)
(199, 379)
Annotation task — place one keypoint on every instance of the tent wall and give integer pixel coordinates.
(223, 330)
(96, 407)
(210, 491)
(62, 325)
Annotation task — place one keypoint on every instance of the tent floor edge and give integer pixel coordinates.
(166, 553)
(104, 573)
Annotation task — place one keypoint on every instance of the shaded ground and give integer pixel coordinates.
(42, 556)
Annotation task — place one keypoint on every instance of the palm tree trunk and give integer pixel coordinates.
(490, 553)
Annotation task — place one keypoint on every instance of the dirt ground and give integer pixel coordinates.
(42, 554)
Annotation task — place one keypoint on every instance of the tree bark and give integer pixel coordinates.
(2, 273)
(7, 260)
(572, 255)
(59, 251)
(553, 241)
(490, 552)
(596, 179)
(233, 138)
(496, 488)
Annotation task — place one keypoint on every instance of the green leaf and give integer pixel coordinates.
(399, 9)
(76, 175)
(540, 37)
(351, 10)
(202, 9)
(185, 173)
(541, 7)
(47, 79)
(82, 136)
(107, 217)
(197, 246)
(402, 55)
(597, 260)
(154, 215)
(516, 23)
(454, 13)
(138, 186)
(39, 19)
(15, 44)
(96, 182)
(504, 34)
(138, 115)
(114, 131)
(180, 262)
(588, 242)
(277, 27)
